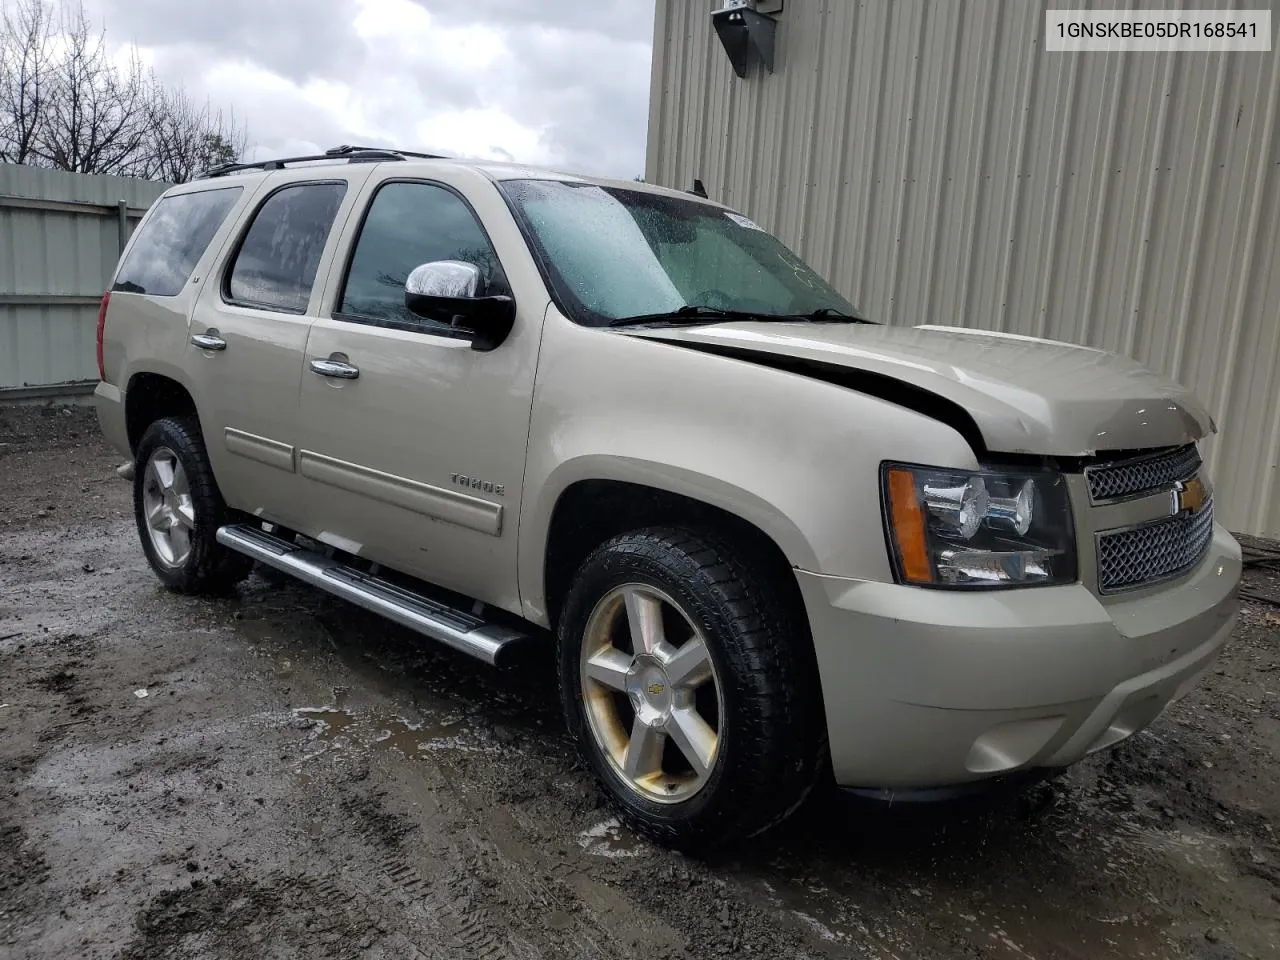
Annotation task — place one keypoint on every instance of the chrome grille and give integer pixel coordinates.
(1128, 478)
(1155, 551)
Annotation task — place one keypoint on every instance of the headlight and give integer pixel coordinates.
(993, 528)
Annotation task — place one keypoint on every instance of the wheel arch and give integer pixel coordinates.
(594, 502)
(151, 395)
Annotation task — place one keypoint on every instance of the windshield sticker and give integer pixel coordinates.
(742, 221)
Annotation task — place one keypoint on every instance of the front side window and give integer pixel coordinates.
(410, 224)
(613, 253)
(276, 266)
(172, 241)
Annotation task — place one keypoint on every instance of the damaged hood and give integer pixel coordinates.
(1025, 395)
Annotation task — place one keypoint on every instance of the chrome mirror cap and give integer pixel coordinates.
(454, 279)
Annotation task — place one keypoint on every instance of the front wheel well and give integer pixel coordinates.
(591, 512)
(151, 396)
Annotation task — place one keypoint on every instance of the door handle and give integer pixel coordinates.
(335, 368)
(208, 341)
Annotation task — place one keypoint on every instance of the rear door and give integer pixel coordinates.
(249, 331)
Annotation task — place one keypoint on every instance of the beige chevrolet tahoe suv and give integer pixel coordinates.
(767, 540)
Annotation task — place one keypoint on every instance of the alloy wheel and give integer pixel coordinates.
(653, 698)
(167, 507)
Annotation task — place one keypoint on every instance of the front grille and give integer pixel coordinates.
(1154, 551)
(1128, 478)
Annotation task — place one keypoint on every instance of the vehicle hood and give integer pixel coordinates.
(1025, 395)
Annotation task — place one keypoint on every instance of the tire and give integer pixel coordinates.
(192, 507)
(770, 737)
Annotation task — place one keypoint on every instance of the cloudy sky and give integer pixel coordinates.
(552, 82)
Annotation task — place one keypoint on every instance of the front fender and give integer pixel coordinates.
(705, 488)
(798, 458)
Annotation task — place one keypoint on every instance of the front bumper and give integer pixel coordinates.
(927, 688)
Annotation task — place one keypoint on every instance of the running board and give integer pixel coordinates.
(492, 643)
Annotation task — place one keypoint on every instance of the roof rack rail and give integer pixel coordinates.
(348, 153)
(346, 149)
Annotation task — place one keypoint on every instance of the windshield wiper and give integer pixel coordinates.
(823, 315)
(695, 313)
(688, 314)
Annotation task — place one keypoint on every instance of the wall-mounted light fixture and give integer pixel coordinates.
(742, 28)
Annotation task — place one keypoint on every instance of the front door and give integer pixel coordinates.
(248, 335)
(413, 444)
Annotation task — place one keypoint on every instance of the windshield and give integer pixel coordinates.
(611, 253)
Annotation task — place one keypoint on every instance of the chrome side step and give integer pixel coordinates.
(459, 629)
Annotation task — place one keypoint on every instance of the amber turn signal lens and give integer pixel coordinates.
(907, 527)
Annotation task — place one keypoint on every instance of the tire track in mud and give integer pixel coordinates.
(408, 944)
(453, 922)
(482, 841)
(495, 897)
(23, 872)
(591, 896)
(240, 916)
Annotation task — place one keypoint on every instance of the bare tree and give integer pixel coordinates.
(26, 66)
(96, 116)
(184, 138)
(66, 103)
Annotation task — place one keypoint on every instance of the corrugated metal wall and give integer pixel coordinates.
(59, 241)
(939, 166)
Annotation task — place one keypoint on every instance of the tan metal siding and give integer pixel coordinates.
(939, 166)
(68, 252)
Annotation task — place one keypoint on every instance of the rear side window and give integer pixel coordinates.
(276, 265)
(173, 240)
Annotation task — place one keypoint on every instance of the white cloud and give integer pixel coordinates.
(487, 133)
(555, 83)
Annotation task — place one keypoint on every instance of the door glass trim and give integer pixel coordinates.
(386, 323)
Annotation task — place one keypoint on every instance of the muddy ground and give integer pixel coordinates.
(278, 774)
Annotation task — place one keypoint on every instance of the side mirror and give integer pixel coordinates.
(448, 292)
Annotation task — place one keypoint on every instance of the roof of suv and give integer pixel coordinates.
(419, 162)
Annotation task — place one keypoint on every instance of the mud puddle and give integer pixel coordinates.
(338, 729)
(610, 839)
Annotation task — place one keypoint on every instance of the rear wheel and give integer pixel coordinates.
(178, 510)
(687, 677)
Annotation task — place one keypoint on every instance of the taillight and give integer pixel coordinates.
(102, 326)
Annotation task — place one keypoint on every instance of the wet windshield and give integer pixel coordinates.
(611, 253)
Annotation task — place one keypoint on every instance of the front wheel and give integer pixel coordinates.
(178, 510)
(687, 678)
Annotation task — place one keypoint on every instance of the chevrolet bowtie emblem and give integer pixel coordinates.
(655, 689)
(1189, 495)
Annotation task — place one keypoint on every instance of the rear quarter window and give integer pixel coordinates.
(172, 241)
